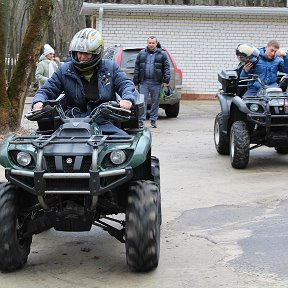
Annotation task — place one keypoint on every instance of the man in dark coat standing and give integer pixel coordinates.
(152, 70)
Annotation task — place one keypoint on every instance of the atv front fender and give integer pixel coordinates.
(142, 149)
(238, 102)
(225, 100)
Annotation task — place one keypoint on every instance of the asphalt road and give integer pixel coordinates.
(221, 227)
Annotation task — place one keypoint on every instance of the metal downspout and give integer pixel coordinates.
(100, 24)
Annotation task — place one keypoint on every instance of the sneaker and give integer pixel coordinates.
(153, 124)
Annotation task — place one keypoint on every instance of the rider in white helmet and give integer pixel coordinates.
(270, 61)
(246, 53)
(88, 80)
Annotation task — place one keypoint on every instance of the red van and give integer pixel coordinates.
(126, 57)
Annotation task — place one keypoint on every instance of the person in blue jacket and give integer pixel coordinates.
(270, 61)
(88, 80)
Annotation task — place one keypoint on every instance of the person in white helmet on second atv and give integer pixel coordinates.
(88, 80)
(269, 62)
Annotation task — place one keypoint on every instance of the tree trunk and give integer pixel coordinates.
(4, 102)
(29, 53)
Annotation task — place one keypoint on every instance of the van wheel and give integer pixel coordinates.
(172, 111)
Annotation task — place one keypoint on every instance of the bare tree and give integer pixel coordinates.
(64, 24)
(4, 102)
(12, 100)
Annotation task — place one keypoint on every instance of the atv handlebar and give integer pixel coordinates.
(55, 102)
(253, 77)
(109, 110)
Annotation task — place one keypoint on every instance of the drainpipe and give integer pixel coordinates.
(100, 24)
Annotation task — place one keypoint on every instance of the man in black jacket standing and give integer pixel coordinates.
(152, 70)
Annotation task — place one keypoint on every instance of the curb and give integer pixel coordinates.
(198, 96)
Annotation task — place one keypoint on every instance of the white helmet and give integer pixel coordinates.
(246, 53)
(87, 40)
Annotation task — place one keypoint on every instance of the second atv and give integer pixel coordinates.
(249, 122)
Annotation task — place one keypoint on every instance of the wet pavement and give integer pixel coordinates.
(222, 227)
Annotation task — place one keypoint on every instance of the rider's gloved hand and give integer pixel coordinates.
(126, 104)
(281, 53)
(248, 66)
(37, 106)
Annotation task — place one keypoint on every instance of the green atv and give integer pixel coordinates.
(68, 175)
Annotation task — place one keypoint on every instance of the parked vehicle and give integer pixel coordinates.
(126, 57)
(249, 122)
(69, 176)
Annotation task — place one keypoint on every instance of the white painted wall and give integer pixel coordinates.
(201, 44)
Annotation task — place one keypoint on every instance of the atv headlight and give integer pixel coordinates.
(118, 157)
(24, 159)
(254, 107)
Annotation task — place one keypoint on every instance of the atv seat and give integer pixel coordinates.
(274, 92)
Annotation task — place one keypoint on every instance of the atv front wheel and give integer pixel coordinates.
(221, 140)
(14, 248)
(239, 145)
(155, 169)
(142, 226)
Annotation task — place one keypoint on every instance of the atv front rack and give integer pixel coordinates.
(273, 115)
(94, 140)
(39, 186)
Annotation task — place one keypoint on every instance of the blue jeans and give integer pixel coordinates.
(152, 87)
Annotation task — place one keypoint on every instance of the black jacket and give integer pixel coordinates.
(161, 66)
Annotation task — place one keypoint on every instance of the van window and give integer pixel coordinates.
(129, 58)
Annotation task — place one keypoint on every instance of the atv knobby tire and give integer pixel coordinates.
(221, 139)
(239, 145)
(142, 226)
(155, 169)
(14, 248)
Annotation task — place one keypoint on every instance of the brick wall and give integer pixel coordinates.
(202, 45)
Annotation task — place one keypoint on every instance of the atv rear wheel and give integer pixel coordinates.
(142, 226)
(221, 140)
(239, 145)
(14, 248)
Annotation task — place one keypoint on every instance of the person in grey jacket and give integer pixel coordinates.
(88, 80)
(47, 65)
(152, 70)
